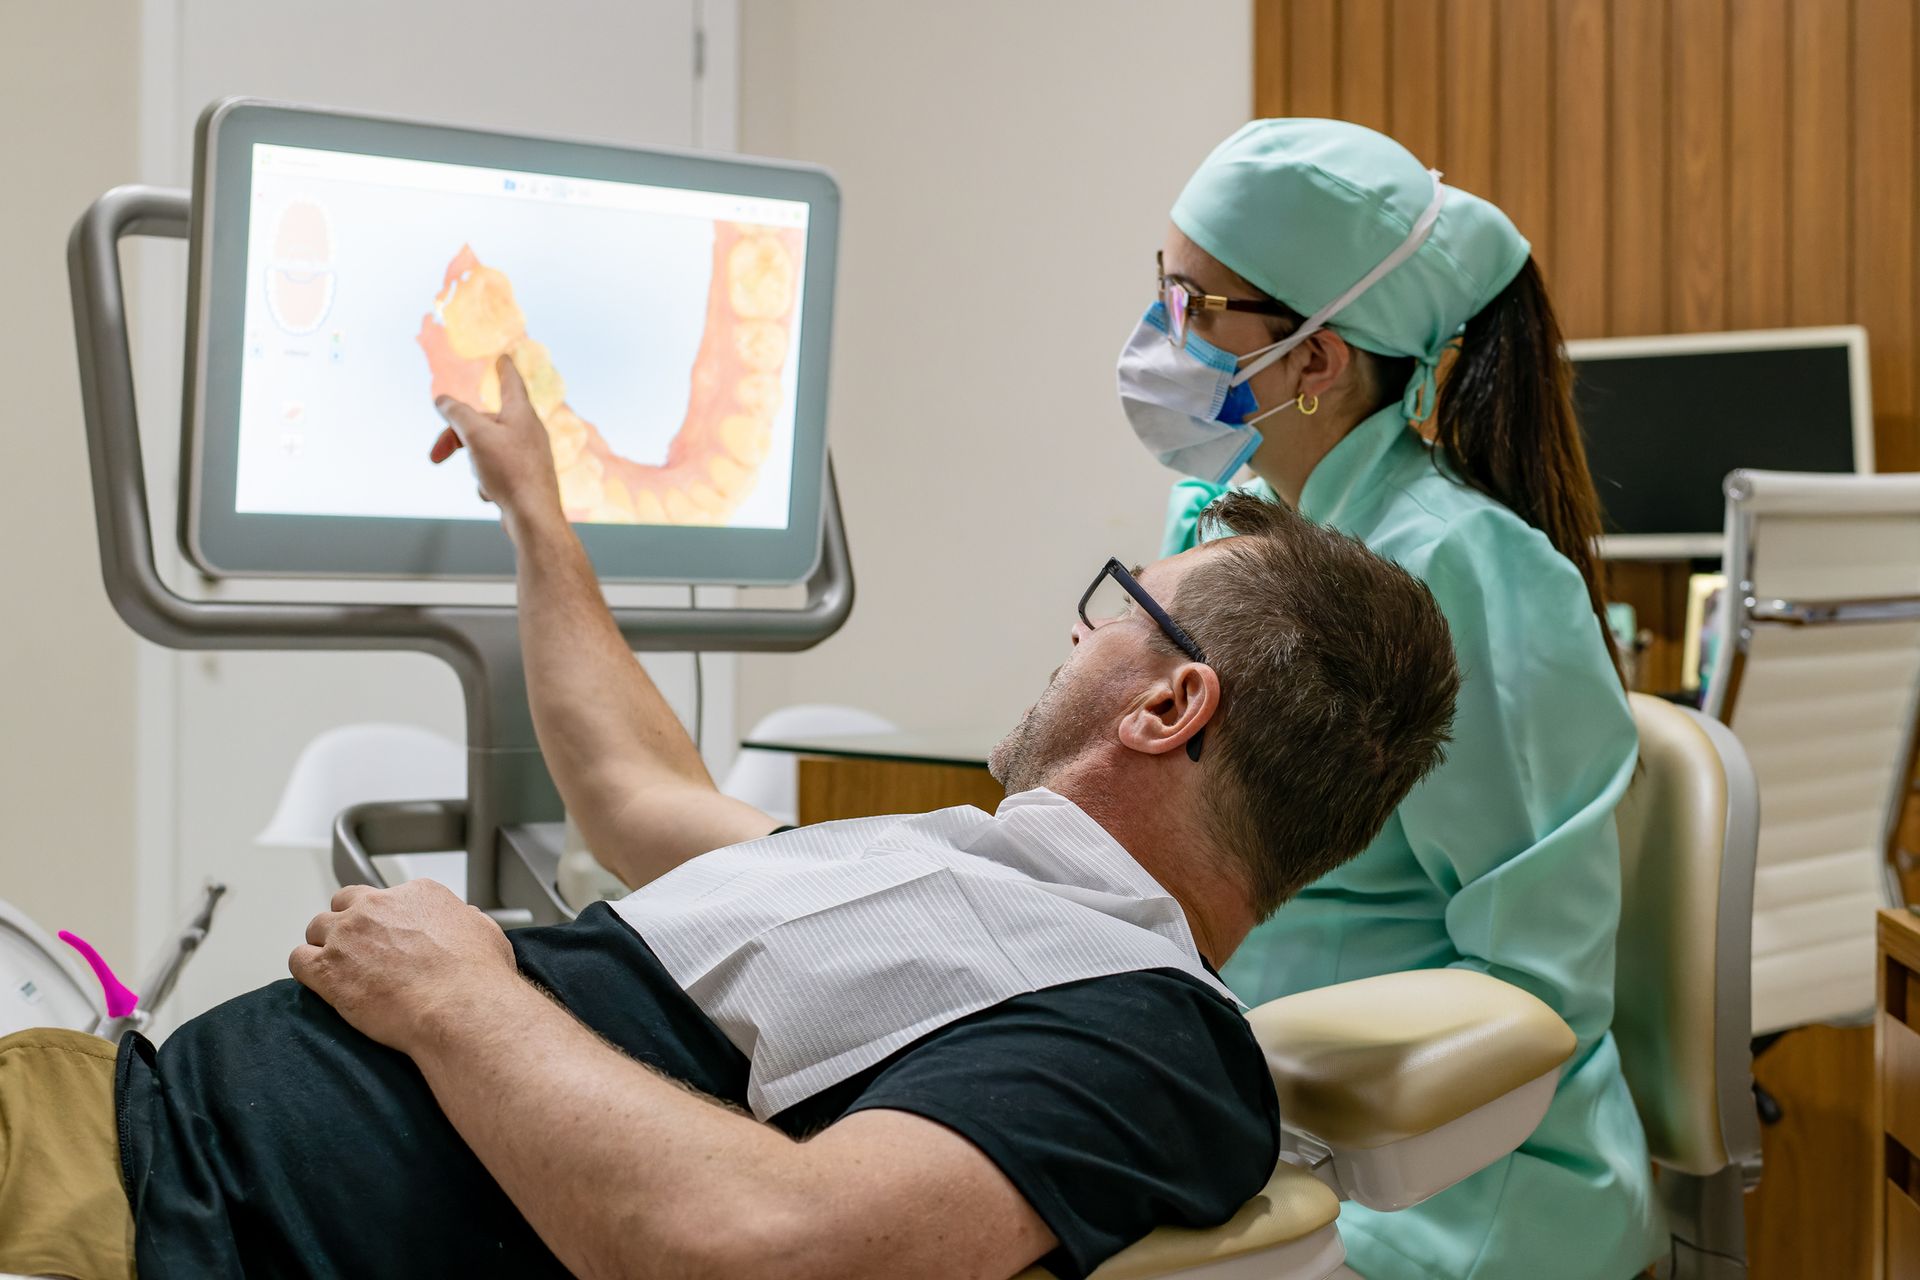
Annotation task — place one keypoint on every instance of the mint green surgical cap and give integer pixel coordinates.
(1303, 209)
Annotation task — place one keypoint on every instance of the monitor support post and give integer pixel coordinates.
(509, 822)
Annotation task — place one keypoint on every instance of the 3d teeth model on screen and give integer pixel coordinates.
(714, 460)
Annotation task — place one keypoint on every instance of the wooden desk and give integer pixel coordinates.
(1897, 1059)
(868, 775)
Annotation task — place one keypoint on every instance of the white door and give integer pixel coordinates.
(219, 732)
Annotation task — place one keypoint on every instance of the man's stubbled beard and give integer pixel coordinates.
(1055, 729)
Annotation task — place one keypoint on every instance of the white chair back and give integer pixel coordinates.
(357, 763)
(1817, 674)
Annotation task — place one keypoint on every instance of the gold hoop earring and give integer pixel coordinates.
(1308, 410)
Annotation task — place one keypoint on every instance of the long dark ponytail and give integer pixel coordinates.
(1506, 425)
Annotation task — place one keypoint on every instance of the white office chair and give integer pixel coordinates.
(1817, 673)
(356, 763)
(1688, 830)
(1392, 1089)
(359, 763)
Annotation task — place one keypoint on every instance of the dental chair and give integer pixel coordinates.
(44, 984)
(1689, 827)
(1392, 1089)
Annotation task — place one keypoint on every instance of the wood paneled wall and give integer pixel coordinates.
(1679, 165)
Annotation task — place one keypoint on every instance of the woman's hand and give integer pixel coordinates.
(512, 456)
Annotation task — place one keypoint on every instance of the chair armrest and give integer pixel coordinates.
(1289, 1223)
(1368, 1063)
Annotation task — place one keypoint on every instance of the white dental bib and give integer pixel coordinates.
(819, 952)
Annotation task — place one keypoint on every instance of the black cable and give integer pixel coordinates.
(1682, 1241)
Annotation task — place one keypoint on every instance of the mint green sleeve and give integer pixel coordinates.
(1184, 505)
(1517, 825)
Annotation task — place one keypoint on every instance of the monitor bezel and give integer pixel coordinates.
(224, 543)
(1703, 546)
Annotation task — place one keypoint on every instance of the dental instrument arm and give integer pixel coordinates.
(629, 774)
(624, 1172)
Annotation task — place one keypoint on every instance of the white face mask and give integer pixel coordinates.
(1191, 405)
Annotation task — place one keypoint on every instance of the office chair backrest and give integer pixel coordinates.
(354, 763)
(1687, 836)
(1817, 673)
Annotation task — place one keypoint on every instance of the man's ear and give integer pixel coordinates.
(1173, 711)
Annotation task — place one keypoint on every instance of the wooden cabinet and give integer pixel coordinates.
(834, 787)
(866, 775)
(1897, 1053)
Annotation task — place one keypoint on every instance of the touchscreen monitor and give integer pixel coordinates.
(667, 312)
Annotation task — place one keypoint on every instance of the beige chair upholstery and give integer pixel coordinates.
(1379, 1060)
(1452, 1064)
(1817, 677)
(1681, 972)
(1294, 1213)
(1688, 829)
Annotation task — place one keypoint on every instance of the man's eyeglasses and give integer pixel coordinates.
(1181, 300)
(1114, 594)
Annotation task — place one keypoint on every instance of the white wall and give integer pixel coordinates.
(68, 76)
(238, 721)
(128, 773)
(1007, 170)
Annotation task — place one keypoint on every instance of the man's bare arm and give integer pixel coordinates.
(623, 1172)
(630, 776)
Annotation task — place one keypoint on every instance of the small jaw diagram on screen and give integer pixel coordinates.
(300, 276)
(735, 394)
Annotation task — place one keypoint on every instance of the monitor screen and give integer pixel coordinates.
(660, 310)
(1665, 420)
(379, 276)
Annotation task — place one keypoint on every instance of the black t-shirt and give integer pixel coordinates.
(269, 1138)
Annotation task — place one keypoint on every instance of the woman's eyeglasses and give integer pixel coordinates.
(1181, 300)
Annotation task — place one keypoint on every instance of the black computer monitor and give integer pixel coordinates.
(1666, 418)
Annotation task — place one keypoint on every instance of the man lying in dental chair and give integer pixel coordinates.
(937, 1045)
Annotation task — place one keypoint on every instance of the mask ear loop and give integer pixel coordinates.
(1417, 236)
(1264, 414)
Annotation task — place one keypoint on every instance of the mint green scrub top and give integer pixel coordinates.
(1505, 859)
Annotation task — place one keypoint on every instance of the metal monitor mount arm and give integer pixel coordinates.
(508, 824)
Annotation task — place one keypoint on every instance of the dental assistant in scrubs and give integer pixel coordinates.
(1314, 276)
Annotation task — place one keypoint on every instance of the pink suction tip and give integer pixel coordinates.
(120, 1001)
